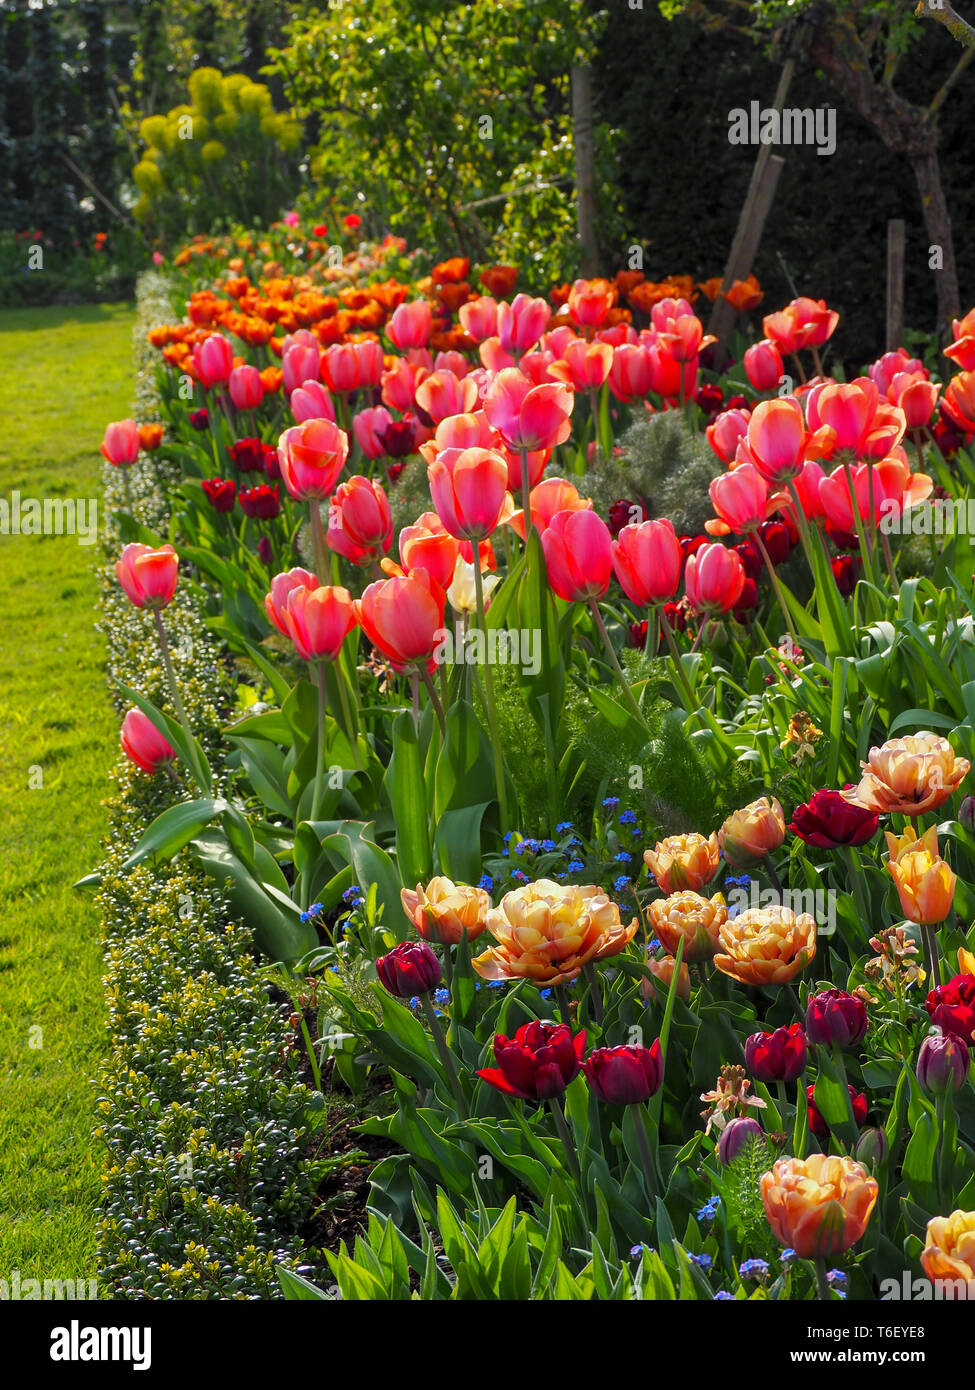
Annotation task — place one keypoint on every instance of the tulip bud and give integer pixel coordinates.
(736, 1135)
(835, 1018)
(872, 1146)
(966, 813)
(942, 1063)
(410, 968)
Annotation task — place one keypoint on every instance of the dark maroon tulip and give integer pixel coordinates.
(736, 1135)
(835, 1017)
(398, 438)
(410, 968)
(264, 552)
(872, 1146)
(260, 501)
(952, 1007)
(776, 539)
(622, 512)
(846, 572)
(199, 419)
(249, 455)
(778, 1056)
(819, 1126)
(943, 1062)
(827, 820)
(751, 559)
(221, 493)
(966, 812)
(624, 1075)
(538, 1062)
(747, 601)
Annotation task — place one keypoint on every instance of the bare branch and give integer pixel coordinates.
(951, 20)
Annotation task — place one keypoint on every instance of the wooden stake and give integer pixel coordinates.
(895, 282)
(585, 169)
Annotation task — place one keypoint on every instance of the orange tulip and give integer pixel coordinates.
(753, 832)
(683, 862)
(766, 945)
(428, 545)
(546, 932)
(966, 961)
(150, 437)
(818, 1206)
(949, 1250)
(910, 775)
(924, 882)
(445, 911)
(689, 917)
(744, 295)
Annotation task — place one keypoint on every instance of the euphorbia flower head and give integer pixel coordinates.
(148, 576)
(578, 555)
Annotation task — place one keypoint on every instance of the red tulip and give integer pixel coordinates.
(246, 388)
(626, 1075)
(828, 820)
(360, 523)
(819, 1126)
(251, 455)
(915, 395)
(213, 360)
(408, 969)
(221, 493)
(538, 1062)
(952, 1007)
(713, 579)
(526, 416)
(312, 456)
(631, 376)
(647, 561)
(777, 1056)
(763, 365)
(143, 744)
(318, 620)
(311, 401)
(578, 555)
(958, 401)
(962, 350)
(148, 576)
(469, 488)
(403, 617)
(834, 1017)
(121, 443)
(260, 502)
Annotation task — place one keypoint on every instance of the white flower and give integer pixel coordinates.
(462, 593)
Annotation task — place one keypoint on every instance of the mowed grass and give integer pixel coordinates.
(64, 372)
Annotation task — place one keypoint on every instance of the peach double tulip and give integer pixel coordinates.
(753, 832)
(311, 457)
(318, 620)
(578, 555)
(403, 617)
(662, 969)
(647, 561)
(469, 489)
(818, 1206)
(687, 916)
(683, 861)
(766, 945)
(924, 882)
(445, 911)
(949, 1248)
(148, 576)
(909, 775)
(546, 932)
(360, 523)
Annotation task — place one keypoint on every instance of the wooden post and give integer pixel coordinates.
(585, 169)
(895, 283)
(751, 221)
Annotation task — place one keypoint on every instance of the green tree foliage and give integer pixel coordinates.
(444, 120)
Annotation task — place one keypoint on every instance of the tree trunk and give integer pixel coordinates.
(585, 169)
(937, 223)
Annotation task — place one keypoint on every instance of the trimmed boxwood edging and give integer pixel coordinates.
(199, 1107)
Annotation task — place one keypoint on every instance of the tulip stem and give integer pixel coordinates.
(929, 936)
(595, 993)
(571, 1157)
(443, 1050)
(526, 492)
(679, 671)
(350, 730)
(802, 525)
(855, 874)
(822, 1283)
(646, 1153)
(128, 491)
(783, 1099)
(776, 586)
(562, 995)
(318, 547)
(800, 1015)
(434, 699)
(489, 687)
(624, 683)
(174, 694)
(316, 799)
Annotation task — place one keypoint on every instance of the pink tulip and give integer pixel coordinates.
(806, 484)
(143, 744)
(578, 555)
(370, 362)
(526, 416)
(369, 425)
(763, 365)
(684, 337)
(403, 617)
(631, 376)
(281, 587)
(428, 545)
(847, 408)
(399, 384)
(312, 456)
(537, 366)
(584, 365)
(726, 430)
(590, 302)
(121, 443)
(714, 577)
(886, 368)
(213, 360)
(913, 393)
(452, 361)
(302, 337)
(340, 364)
(666, 309)
(647, 561)
(479, 318)
(469, 488)
(467, 431)
(246, 389)
(300, 364)
(360, 523)
(551, 496)
(741, 500)
(410, 325)
(887, 429)
(318, 621)
(776, 438)
(311, 402)
(148, 576)
(522, 322)
(441, 394)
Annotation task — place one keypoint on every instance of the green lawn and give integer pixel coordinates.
(64, 372)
